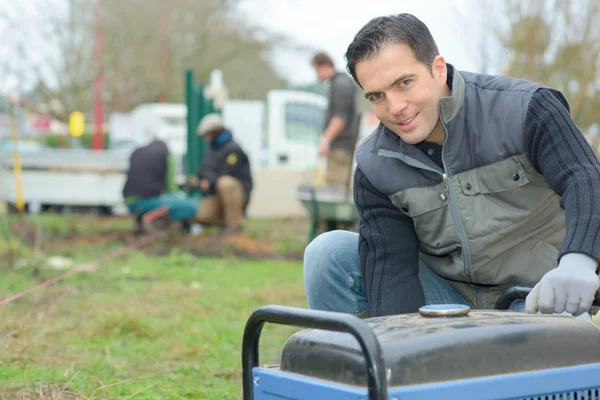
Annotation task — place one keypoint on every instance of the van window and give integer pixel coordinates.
(303, 122)
(175, 122)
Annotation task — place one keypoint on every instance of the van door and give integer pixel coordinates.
(246, 119)
(295, 126)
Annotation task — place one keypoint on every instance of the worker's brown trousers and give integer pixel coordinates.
(226, 207)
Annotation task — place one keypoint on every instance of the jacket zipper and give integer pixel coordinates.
(448, 191)
(457, 223)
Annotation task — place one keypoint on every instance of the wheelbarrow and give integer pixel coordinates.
(443, 352)
(328, 203)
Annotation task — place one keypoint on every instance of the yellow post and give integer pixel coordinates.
(14, 133)
(76, 124)
(76, 128)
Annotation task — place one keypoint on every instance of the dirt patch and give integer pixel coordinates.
(23, 231)
(247, 244)
(260, 243)
(214, 245)
(240, 246)
(27, 234)
(97, 238)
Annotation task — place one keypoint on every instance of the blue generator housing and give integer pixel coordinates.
(443, 352)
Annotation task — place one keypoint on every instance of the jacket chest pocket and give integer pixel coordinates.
(495, 196)
(429, 209)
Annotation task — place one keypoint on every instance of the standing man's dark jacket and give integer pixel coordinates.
(225, 157)
(147, 173)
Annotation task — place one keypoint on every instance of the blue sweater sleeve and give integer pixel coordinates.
(389, 252)
(560, 152)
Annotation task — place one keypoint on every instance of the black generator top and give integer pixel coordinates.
(419, 349)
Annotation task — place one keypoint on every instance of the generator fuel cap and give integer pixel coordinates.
(445, 310)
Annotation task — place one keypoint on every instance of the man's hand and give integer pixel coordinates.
(570, 287)
(191, 182)
(204, 185)
(324, 147)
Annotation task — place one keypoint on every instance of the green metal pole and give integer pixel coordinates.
(210, 106)
(202, 111)
(190, 102)
(198, 106)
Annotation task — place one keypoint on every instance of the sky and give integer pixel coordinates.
(330, 25)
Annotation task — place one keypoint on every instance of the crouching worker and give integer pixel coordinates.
(150, 189)
(224, 178)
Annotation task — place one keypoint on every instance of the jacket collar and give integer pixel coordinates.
(223, 138)
(450, 106)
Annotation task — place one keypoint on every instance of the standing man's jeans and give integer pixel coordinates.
(334, 282)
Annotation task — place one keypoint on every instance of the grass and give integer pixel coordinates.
(161, 322)
(147, 326)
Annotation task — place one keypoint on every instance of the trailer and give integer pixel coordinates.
(442, 352)
(66, 178)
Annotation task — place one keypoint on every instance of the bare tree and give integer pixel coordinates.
(554, 42)
(148, 44)
(49, 53)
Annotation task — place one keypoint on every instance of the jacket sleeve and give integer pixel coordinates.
(244, 173)
(560, 152)
(208, 170)
(389, 252)
(171, 186)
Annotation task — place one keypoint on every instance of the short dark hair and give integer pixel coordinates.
(381, 31)
(320, 59)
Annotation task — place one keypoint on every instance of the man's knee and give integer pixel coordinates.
(329, 251)
(322, 245)
(331, 263)
(227, 183)
(208, 211)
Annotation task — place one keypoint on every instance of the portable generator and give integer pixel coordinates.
(443, 352)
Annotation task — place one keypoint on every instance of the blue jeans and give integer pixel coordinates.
(181, 208)
(334, 282)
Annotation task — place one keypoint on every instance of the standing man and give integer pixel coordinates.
(224, 178)
(340, 124)
(471, 184)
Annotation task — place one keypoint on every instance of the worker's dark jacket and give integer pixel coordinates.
(225, 157)
(488, 218)
(146, 176)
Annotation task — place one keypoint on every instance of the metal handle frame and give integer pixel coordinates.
(520, 293)
(327, 320)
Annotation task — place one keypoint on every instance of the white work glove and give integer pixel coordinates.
(570, 287)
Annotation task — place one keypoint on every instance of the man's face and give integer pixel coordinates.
(403, 92)
(323, 71)
(210, 137)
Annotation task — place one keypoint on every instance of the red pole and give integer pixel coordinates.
(98, 143)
